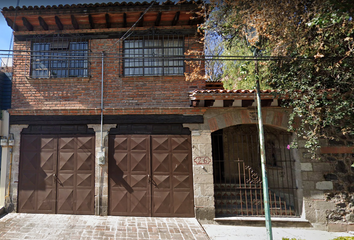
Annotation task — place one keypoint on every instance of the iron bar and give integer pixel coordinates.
(204, 58)
(248, 186)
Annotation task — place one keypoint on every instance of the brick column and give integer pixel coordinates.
(101, 171)
(203, 175)
(11, 201)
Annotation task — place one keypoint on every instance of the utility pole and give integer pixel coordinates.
(268, 222)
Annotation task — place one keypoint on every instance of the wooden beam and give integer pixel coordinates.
(195, 19)
(124, 20)
(43, 23)
(141, 22)
(109, 119)
(111, 32)
(108, 23)
(27, 24)
(11, 24)
(158, 19)
(175, 19)
(74, 22)
(92, 26)
(58, 22)
(192, 19)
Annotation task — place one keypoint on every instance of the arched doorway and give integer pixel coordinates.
(237, 172)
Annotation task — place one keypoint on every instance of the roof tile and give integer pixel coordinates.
(109, 4)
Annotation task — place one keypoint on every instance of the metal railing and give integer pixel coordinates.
(237, 174)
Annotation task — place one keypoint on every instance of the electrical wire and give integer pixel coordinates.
(11, 39)
(115, 55)
(132, 27)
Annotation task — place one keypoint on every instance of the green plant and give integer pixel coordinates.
(312, 46)
(344, 238)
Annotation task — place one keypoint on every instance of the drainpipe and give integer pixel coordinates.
(101, 153)
(10, 144)
(102, 102)
(10, 173)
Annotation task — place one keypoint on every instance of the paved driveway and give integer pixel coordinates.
(48, 226)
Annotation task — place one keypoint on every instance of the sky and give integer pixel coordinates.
(6, 31)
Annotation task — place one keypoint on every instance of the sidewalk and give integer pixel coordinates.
(71, 227)
(227, 232)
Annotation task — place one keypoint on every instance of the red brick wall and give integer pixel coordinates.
(84, 93)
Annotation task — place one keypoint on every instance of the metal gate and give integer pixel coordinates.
(56, 174)
(237, 172)
(150, 175)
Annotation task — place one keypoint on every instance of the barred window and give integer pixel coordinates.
(59, 59)
(154, 57)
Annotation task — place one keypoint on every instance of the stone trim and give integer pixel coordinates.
(11, 201)
(101, 171)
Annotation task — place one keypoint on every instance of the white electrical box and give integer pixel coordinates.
(101, 158)
(3, 141)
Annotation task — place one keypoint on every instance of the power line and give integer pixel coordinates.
(13, 27)
(114, 55)
(142, 15)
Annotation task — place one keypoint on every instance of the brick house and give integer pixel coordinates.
(166, 147)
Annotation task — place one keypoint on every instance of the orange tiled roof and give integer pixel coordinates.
(222, 94)
(103, 17)
(96, 5)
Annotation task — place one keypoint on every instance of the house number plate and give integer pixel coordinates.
(202, 160)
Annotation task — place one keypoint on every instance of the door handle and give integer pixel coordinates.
(152, 181)
(58, 180)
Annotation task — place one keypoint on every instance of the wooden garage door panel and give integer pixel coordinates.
(183, 203)
(27, 201)
(65, 204)
(120, 203)
(75, 175)
(56, 174)
(172, 188)
(128, 170)
(168, 178)
(38, 161)
(45, 200)
(84, 201)
(161, 204)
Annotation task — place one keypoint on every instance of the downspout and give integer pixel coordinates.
(102, 102)
(101, 153)
(10, 173)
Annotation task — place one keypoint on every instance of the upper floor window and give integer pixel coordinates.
(59, 59)
(154, 57)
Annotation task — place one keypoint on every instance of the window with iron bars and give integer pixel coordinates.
(59, 59)
(162, 56)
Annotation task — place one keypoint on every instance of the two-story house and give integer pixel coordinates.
(105, 123)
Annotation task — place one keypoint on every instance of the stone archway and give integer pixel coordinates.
(216, 119)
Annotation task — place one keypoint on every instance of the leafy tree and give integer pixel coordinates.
(310, 44)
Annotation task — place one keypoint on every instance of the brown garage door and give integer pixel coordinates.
(56, 174)
(150, 175)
